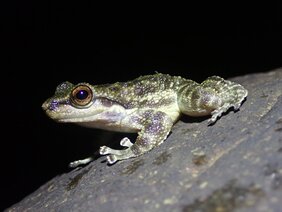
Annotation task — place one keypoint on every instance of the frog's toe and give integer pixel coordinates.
(126, 142)
(104, 150)
(76, 163)
(213, 118)
(112, 159)
(237, 106)
(211, 121)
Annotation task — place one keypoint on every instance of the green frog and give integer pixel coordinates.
(148, 105)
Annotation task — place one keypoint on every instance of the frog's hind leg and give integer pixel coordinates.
(155, 129)
(230, 94)
(214, 96)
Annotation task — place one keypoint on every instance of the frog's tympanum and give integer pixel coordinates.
(148, 105)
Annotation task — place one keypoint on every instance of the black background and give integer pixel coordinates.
(46, 43)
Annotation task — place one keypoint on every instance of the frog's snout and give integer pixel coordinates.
(45, 105)
(50, 105)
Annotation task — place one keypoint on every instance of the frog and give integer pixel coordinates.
(149, 105)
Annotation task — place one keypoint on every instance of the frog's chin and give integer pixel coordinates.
(70, 119)
(66, 118)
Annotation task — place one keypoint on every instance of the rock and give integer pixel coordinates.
(234, 164)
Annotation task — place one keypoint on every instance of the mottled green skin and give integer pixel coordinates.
(148, 105)
(147, 90)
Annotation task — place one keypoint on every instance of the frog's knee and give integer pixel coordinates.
(209, 100)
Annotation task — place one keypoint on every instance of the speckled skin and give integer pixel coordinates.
(148, 105)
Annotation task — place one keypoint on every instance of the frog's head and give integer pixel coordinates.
(75, 103)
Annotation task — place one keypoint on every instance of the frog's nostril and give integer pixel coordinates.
(47, 105)
(53, 105)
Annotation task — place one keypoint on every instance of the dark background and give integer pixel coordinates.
(46, 43)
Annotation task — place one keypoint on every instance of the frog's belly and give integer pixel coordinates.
(117, 127)
(130, 121)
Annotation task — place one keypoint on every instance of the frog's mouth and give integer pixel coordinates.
(66, 113)
(71, 115)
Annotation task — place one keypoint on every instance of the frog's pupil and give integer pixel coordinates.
(82, 94)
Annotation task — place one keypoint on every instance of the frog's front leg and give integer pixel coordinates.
(154, 129)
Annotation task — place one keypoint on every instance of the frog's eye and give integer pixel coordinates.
(81, 95)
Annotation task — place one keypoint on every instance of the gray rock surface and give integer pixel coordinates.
(233, 165)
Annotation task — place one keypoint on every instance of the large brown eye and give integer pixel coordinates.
(81, 95)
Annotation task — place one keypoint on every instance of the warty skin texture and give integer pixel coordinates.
(148, 105)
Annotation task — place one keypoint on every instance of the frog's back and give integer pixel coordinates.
(155, 83)
(144, 90)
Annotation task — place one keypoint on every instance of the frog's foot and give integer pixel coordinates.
(115, 155)
(77, 163)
